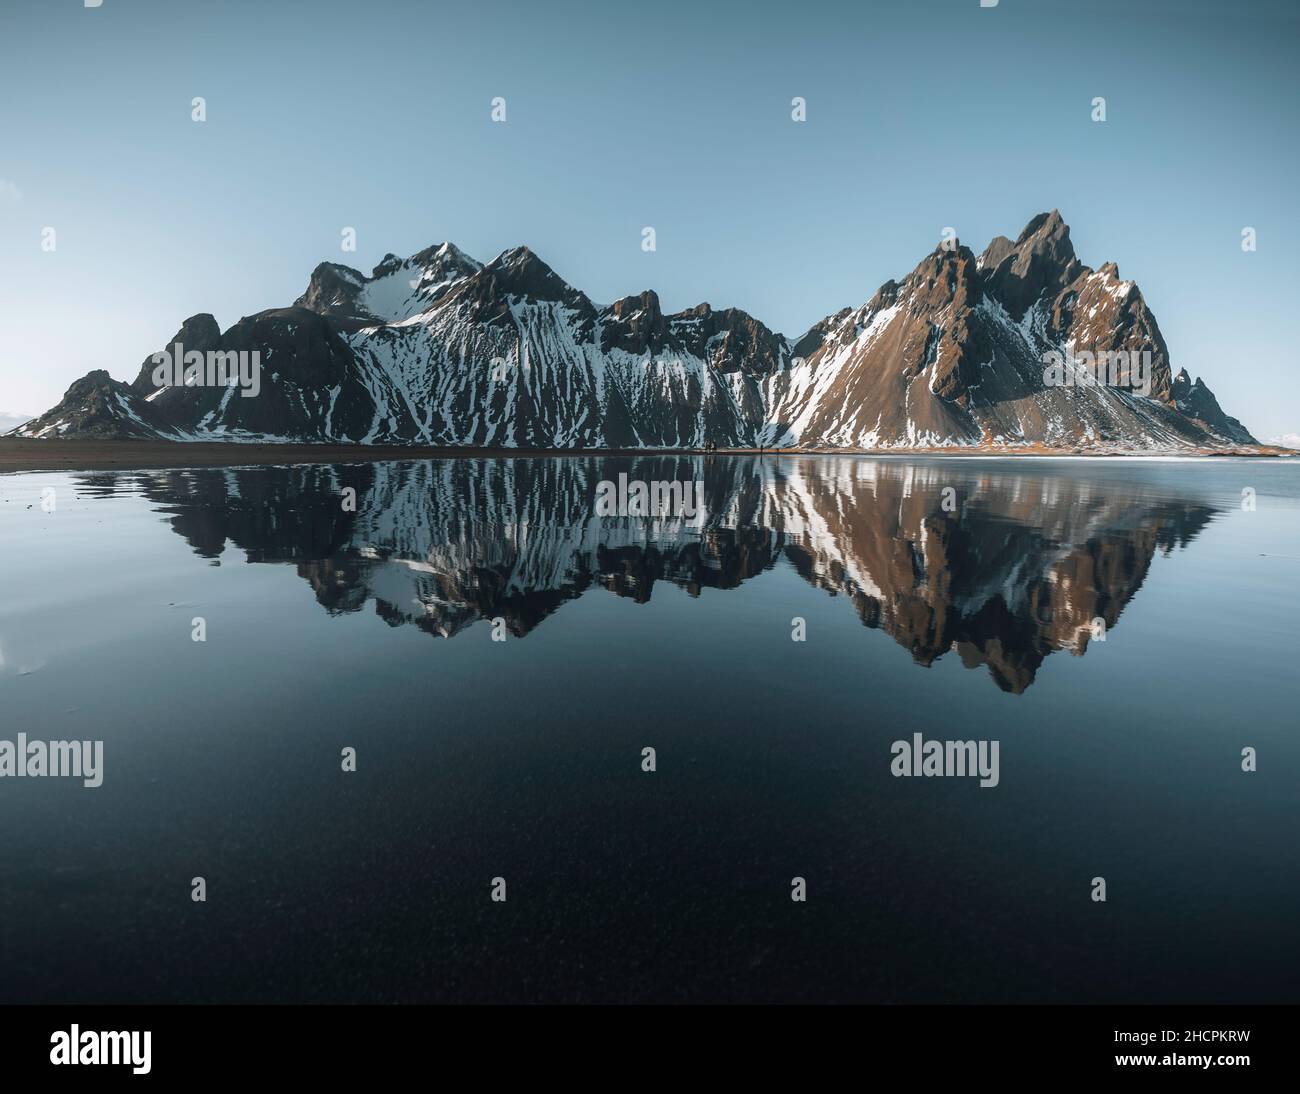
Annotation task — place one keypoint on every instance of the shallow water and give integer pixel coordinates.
(1122, 629)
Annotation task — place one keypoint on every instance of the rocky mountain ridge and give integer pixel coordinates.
(438, 349)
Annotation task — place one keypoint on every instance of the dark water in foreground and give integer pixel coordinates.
(960, 599)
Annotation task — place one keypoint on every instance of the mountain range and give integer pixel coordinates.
(439, 349)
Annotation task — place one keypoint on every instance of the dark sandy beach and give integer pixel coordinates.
(19, 454)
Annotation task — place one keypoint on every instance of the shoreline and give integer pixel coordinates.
(19, 455)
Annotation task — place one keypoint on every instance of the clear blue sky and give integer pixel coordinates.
(375, 115)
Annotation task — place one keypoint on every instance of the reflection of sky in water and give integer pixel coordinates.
(522, 758)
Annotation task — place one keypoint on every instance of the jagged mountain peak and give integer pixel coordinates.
(1041, 262)
(644, 305)
(1196, 401)
(519, 272)
(435, 270)
(522, 262)
(998, 249)
(396, 291)
(198, 332)
(635, 324)
(96, 405)
(952, 269)
(440, 349)
(202, 325)
(645, 300)
(446, 257)
(1050, 225)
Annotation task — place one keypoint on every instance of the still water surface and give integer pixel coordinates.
(961, 599)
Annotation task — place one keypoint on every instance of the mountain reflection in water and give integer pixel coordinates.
(1003, 569)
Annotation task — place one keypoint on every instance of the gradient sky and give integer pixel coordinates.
(675, 115)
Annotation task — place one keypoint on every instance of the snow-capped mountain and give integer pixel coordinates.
(437, 349)
(10, 420)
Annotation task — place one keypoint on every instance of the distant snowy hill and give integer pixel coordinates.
(9, 420)
(439, 349)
